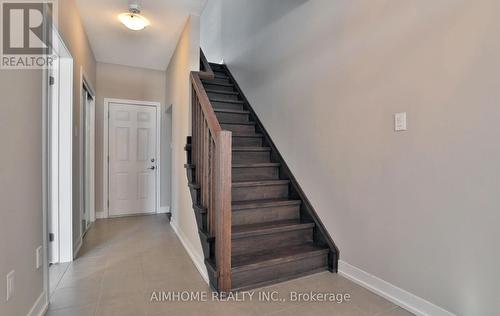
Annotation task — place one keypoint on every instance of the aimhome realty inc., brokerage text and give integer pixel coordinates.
(261, 296)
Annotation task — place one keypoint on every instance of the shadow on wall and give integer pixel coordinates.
(270, 12)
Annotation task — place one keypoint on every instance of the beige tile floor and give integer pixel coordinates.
(56, 272)
(123, 260)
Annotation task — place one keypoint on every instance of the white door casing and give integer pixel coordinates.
(53, 214)
(59, 154)
(87, 206)
(132, 159)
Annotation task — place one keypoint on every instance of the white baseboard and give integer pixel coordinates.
(40, 306)
(198, 261)
(398, 296)
(100, 215)
(77, 246)
(164, 209)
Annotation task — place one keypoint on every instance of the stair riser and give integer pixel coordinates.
(190, 174)
(226, 106)
(217, 68)
(260, 192)
(232, 117)
(285, 271)
(195, 195)
(265, 214)
(239, 128)
(220, 80)
(271, 241)
(222, 96)
(217, 87)
(247, 141)
(251, 156)
(255, 173)
(219, 73)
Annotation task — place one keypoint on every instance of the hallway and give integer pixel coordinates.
(123, 260)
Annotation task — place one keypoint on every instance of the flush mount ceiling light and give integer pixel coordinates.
(132, 19)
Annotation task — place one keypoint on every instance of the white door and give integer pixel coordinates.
(132, 159)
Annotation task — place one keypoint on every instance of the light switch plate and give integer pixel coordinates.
(400, 122)
(38, 255)
(10, 284)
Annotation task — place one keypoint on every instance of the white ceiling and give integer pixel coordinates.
(150, 48)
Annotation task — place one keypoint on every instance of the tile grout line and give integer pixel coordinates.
(59, 282)
(101, 285)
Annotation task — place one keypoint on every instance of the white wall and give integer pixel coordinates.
(21, 220)
(123, 82)
(419, 209)
(178, 93)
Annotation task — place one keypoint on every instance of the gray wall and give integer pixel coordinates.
(185, 59)
(123, 82)
(419, 209)
(21, 219)
(210, 33)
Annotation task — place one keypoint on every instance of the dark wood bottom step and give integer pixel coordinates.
(251, 270)
(268, 236)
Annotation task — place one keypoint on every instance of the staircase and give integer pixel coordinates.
(275, 235)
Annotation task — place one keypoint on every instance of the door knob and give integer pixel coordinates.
(152, 168)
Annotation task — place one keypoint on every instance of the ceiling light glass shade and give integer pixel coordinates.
(133, 21)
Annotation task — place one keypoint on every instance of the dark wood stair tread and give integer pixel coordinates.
(231, 111)
(222, 92)
(237, 123)
(250, 135)
(245, 205)
(240, 184)
(251, 149)
(217, 83)
(255, 260)
(256, 165)
(226, 101)
(244, 231)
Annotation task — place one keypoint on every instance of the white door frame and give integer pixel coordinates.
(60, 181)
(57, 186)
(105, 152)
(84, 83)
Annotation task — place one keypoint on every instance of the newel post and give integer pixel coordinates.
(223, 209)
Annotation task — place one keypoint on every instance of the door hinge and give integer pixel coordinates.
(51, 237)
(52, 80)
